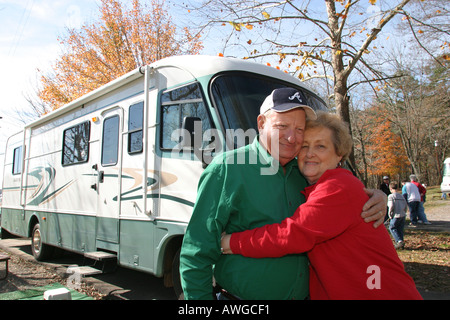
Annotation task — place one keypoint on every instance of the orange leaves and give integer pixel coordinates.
(385, 147)
(128, 34)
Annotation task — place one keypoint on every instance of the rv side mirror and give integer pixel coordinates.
(192, 133)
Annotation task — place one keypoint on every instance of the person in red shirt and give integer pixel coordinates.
(349, 259)
(421, 216)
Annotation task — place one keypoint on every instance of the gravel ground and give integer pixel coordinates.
(438, 213)
(26, 274)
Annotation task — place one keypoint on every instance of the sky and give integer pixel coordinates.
(29, 40)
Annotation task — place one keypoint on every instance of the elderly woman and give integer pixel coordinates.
(349, 259)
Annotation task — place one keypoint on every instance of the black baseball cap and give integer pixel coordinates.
(286, 99)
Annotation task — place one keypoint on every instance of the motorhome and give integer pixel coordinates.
(115, 172)
(445, 185)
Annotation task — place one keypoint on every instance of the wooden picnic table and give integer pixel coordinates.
(5, 258)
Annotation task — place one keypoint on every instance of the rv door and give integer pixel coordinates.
(109, 172)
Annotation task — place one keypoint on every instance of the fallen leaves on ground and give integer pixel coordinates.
(426, 257)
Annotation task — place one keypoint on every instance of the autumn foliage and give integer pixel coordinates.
(123, 39)
(385, 149)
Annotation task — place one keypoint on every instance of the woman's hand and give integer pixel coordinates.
(225, 244)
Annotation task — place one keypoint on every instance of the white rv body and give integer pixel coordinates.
(445, 185)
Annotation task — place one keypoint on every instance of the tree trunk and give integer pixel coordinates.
(341, 97)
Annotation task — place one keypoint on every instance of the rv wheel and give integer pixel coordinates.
(40, 250)
(176, 278)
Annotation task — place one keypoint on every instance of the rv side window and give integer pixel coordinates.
(17, 161)
(110, 147)
(135, 120)
(76, 144)
(178, 104)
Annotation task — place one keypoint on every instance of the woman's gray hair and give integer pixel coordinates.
(341, 137)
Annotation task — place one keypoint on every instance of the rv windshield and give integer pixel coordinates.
(239, 95)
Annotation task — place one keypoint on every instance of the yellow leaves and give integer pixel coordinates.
(373, 2)
(281, 55)
(238, 26)
(266, 15)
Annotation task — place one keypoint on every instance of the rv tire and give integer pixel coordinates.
(40, 250)
(176, 278)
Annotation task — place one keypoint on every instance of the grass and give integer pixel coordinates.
(433, 198)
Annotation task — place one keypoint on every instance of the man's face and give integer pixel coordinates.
(282, 133)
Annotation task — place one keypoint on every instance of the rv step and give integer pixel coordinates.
(86, 271)
(100, 255)
(105, 261)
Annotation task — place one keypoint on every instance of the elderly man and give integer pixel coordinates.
(235, 196)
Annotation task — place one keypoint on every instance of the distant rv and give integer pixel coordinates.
(445, 185)
(114, 174)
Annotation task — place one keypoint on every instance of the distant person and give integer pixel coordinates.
(412, 196)
(421, 216)
(348, 258)
(397, 206)
(384, 186)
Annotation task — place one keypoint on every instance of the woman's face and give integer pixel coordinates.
(317, 154)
